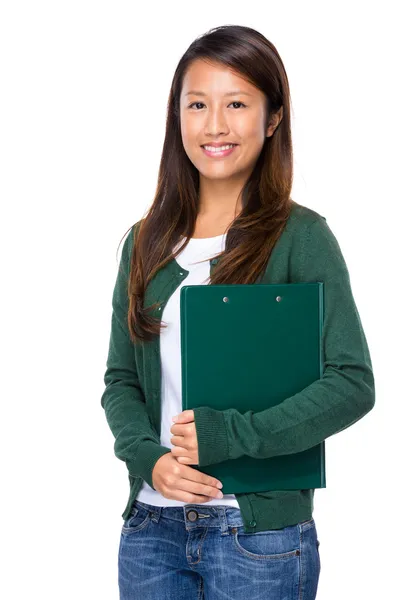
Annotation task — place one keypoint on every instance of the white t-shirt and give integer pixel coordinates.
(198, 249)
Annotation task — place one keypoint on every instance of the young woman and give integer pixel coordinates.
(222, 213)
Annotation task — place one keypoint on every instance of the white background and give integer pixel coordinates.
(84, 87)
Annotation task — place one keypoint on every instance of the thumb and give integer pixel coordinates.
(184, 417)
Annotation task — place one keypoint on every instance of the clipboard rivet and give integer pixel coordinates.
(225, 299)
(278, 298)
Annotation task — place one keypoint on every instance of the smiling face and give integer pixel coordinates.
(218, 107)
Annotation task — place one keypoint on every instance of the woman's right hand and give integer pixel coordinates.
(176, 481)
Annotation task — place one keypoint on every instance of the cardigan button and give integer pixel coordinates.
(214, 261)
(252, 523)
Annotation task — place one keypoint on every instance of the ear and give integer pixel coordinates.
(274, 121)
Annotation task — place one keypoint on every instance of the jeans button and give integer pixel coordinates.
(192, 515)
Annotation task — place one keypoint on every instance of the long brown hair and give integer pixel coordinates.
(265, 196)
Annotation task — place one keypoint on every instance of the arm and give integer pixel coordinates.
(136, 442)
(344, 393)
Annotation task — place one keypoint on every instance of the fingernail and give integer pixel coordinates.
(220, 485)
(174, 419)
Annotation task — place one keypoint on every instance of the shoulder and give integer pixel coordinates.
(302, 217)
(132, 234)
(128, 244)
(315, 248)
(307, 227)
(134, 230)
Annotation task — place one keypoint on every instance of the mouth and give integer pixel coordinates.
(217, 152)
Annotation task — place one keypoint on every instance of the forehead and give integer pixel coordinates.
(215, 79)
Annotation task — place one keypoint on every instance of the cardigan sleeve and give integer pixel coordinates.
(136, 441)
(344, 393)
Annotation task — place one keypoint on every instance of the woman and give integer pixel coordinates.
(223, 216)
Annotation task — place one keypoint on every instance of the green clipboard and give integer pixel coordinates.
(249, 347)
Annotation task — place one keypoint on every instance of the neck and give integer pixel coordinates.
(219, 199)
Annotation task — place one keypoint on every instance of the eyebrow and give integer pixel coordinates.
(234, 93)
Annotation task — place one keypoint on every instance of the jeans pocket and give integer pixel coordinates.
(307, 524)
(137, 521)
(273, 544)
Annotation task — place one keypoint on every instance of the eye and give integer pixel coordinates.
(234, 102)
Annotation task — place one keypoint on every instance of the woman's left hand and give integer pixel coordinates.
(185, 438)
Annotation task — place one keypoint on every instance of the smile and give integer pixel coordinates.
(217, 153)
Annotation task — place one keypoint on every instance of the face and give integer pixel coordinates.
(211, 113)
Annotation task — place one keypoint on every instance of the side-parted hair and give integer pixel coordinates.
(265, 197)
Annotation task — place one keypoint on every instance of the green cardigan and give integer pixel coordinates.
(307, 251)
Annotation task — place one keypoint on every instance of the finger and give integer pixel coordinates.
(179, 451)
(180, 428)
(198, 476)
(177, 440)
(198, 482)
(184, 417)
(185, 457)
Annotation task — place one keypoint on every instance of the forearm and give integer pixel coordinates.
(136, 441)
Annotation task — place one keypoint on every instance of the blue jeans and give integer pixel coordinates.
(199, 552)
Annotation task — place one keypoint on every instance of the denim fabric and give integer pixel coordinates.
(199, 552)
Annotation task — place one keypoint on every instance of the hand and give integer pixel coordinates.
(183, 483)
(184, 438)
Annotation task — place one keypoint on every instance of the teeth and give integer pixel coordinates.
(219, 149)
